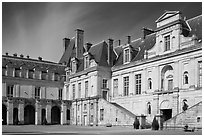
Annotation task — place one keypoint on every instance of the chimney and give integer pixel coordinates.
(146, 32)
(110, 52)
(28, 56)
(66, 42)
(15, 55)
(79, 43)
(119, 42)
(6, 53)
(40, 58)
(87, 46)
(128, 39)
(21, 56)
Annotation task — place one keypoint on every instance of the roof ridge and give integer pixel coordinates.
(194, 18)
(98, 43)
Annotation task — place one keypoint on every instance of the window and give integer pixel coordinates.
(37, 92)
(44, 75)
(101, 114)
(185, 77)
(84, 106)
(91, 120)
(138, 84)
(92, 106)
(105, 81)
(86, 61)
(115, 87)
(17, 72)
(170, 84)
(10, 91)
(149, 83)
(185, 105)
(126, 86)
(79, 88)
(73, 66)
(148, 108)
(167, 43)
(200, 74)
(4, 70)
(86, 88)
(30, 74)
(73, 90)
(60, 94)
(127, 55)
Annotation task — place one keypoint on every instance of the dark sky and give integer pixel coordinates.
(37, 29)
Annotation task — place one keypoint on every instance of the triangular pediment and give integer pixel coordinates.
(166, 15)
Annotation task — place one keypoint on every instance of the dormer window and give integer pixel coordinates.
(73, 65)
(86, 61)
(167, 43)
(126, 55)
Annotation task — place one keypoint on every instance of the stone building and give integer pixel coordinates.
(32, 91)
(157, 74)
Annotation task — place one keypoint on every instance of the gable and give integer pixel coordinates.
(166, 15)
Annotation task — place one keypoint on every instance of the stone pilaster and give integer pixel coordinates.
(96, 112)
(37, 113)
(63, 113)
(10, 112)
(21, 112)
(48, 112)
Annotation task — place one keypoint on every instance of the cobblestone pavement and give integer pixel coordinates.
(81, 130)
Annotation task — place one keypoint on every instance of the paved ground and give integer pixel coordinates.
(80, 130)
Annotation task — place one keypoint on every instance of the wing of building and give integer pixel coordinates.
(158, 75)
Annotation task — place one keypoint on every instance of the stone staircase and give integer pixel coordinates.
(191, 117)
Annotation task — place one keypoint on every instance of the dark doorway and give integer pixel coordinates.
(166, 114)
(105, 95)
(68, 116)
(29, 115)
(15, 116)
(4, 114)
(43, 117)
(55, 115)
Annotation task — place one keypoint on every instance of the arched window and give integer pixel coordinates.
(148, 108)
(185, 77)
(149, 83)
(185, 105)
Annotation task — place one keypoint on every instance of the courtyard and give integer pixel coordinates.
(82, 130)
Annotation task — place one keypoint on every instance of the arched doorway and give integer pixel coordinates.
(4, 114)
(15, 116)
(55, 115)
(167, 78)
(166, 110)
(68, 116)
(43, 117)
(29, 115)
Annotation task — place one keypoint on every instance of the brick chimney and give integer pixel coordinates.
(40, 58)
(15, 54)
(110, 52)
(128, 39)
(66, 42)
(146, 31)
(79, 42)
(21, 56)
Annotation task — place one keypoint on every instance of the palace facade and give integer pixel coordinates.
(159, 74)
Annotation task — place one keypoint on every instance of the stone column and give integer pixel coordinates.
(21, 112)
(10, 112)
(48, 112)
(96, 112)
(63, 113)
(81, 112)
(37, 113)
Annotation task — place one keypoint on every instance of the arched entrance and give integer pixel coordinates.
(166, 110)
(4, 114)
(29, 115)
(55, 115)
(43, 117)
(15, 116)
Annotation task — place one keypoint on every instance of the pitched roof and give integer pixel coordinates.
(196, 26)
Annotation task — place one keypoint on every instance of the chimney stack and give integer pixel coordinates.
(6, 53)
(66, 42)
(110, 52)
(28, 56)
(40, 58)
(128, 39)
(146, 32)
(87, 46)
(21, 56)
(15, 55)
(119, 42)
(79, 43)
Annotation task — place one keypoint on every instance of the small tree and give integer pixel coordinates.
(136, 123)
(155, 124)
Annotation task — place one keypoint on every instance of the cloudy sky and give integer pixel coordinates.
(37, 29)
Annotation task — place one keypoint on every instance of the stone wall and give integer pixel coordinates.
(192, 117)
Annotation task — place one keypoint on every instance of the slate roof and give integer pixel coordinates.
(30, 64)
(150, 40)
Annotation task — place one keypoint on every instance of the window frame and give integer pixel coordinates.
(138, 84)
(126, 86)
(167, 43)
(126, 55)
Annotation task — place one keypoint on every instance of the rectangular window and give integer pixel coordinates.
(105, 85)
(86, 88)
(84, 106)
(60, 94)
(138, 84)
(79, 88)
(115, 87)
(86, 62)
(167, 43)
(200, 74)
(73, 90)
(91, 119)
(170, 84)
(31, 74)
(9, 92)
(44, 75)
(37, 92)
(126, 86)
(101, 114)
(127, 55)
